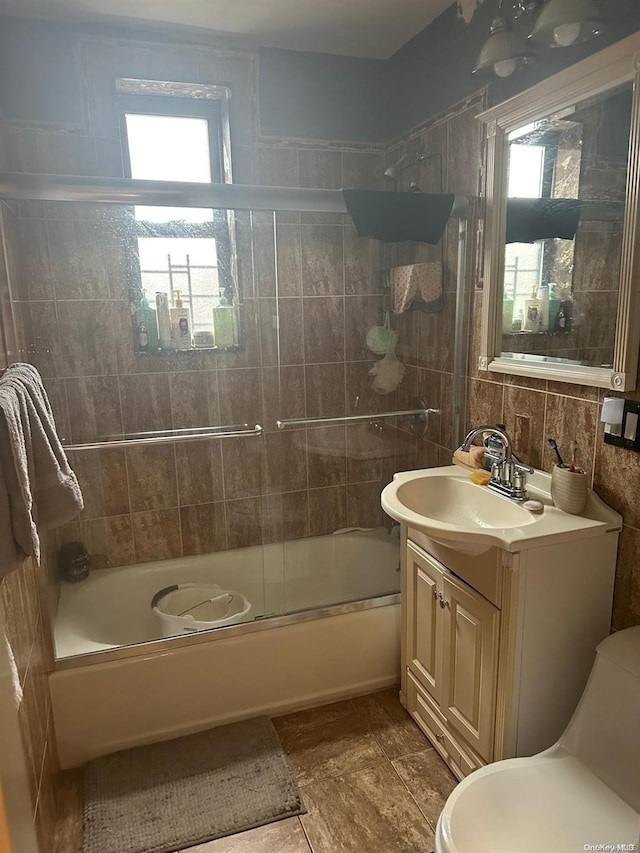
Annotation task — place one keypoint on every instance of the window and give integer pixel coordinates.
(185, 253)
(523, 261)
(544, 162)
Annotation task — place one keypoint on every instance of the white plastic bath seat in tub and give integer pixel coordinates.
(319, 653)
(112, 608)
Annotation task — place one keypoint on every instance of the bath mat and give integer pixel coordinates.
(173, 795)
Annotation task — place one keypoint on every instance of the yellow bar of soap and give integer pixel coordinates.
(480, 477)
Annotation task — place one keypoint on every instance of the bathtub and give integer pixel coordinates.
(324, 625)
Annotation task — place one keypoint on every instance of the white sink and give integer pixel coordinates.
(455, 501)
(448, 507)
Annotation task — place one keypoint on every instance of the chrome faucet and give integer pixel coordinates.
(508, 474)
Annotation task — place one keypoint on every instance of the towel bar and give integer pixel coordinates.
(169, 437)
(418, 418)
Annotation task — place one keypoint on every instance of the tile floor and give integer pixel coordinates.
(370, 780)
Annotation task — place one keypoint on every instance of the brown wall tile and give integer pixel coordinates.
(156, 535)
(245, 522)
(146, 402)
(324, 330)
(286, 461)
(109, 541)
(203, 528)
(523, 415)
(327, 510)
(102, 475)
(568, 419)
(199, 471)
(289, 259)
(194, 399)
(243, 461)
(87, 342)
(322, 260)
(324, 390)
(626, 598)
(363, 505)
(152, 477)
(94, 408)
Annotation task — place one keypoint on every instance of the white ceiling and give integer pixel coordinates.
(367, 28)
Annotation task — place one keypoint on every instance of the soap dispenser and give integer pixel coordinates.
(146, 326)
(224, 323)
(180, 324)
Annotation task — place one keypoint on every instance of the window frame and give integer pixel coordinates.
(221, 228)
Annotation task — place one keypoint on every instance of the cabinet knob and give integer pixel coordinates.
(440, 738)
(443, 602)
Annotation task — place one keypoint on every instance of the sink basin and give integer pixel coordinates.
(461, 502)
(443, 504)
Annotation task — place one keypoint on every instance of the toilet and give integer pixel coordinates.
(581, 794)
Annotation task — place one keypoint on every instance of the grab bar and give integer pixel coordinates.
(374, 416)
(169, 437)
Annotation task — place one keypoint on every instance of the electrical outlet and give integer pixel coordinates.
(629, 435)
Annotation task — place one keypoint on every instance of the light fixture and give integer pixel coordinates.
(503, 51)
(565, 22)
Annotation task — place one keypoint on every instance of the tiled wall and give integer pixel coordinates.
(20, 602)
(146, 504)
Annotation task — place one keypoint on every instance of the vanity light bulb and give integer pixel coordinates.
(566, 34)
(505, 68)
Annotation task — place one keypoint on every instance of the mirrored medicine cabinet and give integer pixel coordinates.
(562, 239)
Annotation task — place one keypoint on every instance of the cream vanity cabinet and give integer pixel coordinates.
(497, 646)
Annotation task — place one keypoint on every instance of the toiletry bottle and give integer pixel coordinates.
(223, 323)
(532, 313)
(180, 324)
(543, 297)
(164, 320)
(507, 316)
(554, 306)
(146, 326)
(518, 322)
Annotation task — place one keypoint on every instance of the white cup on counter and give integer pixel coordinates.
(569, 489)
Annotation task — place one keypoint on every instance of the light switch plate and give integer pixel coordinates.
(629, 431)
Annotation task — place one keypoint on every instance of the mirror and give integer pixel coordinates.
(561, 242)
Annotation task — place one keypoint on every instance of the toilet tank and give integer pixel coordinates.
(604, 732)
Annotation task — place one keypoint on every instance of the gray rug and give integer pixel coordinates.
(173, 795)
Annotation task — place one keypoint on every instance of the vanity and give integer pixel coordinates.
(502, 609)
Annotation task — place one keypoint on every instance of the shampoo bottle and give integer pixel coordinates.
(164, 321)
(532, 314)
(146, 326)
(223, 323)
(543, 298)
(180, 324)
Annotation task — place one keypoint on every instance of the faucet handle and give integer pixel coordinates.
(520, 466)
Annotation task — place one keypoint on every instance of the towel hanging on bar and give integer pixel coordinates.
(38, 489)
(398, 217)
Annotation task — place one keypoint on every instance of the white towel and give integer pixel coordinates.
(37, 486)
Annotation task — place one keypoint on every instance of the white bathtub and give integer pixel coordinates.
(112, 608)
(339, 637)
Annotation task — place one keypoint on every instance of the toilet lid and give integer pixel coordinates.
(549, 803)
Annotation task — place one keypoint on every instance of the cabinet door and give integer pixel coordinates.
(470, 627)
(424, 632)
